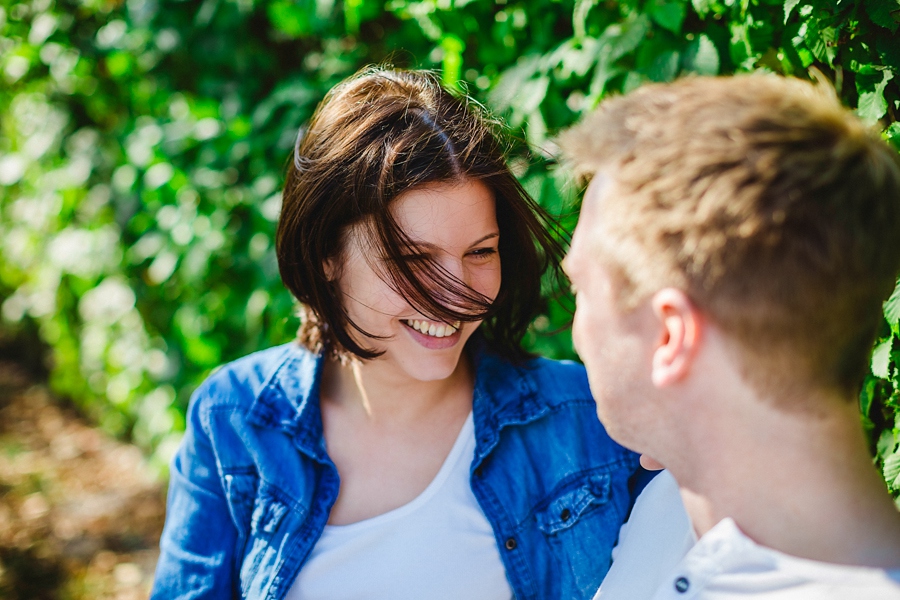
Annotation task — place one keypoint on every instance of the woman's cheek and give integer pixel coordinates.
(488, 280)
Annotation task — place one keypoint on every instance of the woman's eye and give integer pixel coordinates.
(483, 252)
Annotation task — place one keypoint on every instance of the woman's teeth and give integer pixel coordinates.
(433, 329)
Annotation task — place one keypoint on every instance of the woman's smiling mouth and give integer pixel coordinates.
(432, 329)
(432, 335)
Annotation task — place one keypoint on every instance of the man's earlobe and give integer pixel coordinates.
(681, 324)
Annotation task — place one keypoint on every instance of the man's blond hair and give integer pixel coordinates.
(771, 205)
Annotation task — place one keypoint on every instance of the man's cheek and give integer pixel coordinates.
(579, 334)
(575, 335)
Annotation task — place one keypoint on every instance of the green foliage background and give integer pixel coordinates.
(143, 145)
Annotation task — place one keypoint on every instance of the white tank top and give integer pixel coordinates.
(438, 546)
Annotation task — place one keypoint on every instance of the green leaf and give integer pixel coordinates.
(669, 15)
(451, 63)
(507, 91)
(616, 41)
(664, 67)
(789, 6)
(881, 359)
(892, 135)
(885, 13)
(202, 351)
(895, 372)
(119, 64)
(892, 470)
(872, 104)
(575, 57)
(352, 17)
(892, 305)
(739, 45)
(885, 443)
(821, 41)
(533, 93)
(289, 18)
(888, 51)
(292, 93)
(702, 57)
(622, 38)
(579, 17)
(866, 395)
(702, 7)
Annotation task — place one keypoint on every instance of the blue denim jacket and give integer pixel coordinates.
(251, 486)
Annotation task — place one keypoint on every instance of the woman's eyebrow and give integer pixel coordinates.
(485, 238)
(475, 243)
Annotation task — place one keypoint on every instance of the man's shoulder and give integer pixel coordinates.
(725, 563)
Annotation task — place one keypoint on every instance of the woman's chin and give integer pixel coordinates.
(430, 365)
(436, 369)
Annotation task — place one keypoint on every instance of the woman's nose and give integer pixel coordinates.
(455, 268)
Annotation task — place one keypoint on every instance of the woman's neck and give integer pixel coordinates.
(380, 391)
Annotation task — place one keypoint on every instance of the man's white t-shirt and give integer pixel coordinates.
(439, 546)
(657, 558)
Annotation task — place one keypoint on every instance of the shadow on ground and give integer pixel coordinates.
(80, 513)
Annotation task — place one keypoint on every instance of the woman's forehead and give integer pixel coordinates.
(446, 211)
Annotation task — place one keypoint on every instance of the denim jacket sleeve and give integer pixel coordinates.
(193, 565)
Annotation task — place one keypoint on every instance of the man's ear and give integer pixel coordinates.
(681, 324)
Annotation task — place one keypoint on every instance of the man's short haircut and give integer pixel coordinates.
(773, 207)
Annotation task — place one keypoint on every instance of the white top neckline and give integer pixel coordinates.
(454, 456)
(438, 546)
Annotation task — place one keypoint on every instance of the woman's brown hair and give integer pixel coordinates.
(376, 135)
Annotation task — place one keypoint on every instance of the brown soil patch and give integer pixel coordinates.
(80, 512)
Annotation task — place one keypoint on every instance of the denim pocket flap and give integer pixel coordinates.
(573, 503)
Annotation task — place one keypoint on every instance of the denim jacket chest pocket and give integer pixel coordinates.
(579, 516)
(574, 503)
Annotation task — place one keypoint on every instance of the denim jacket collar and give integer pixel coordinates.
(504, 395)
(289, 400)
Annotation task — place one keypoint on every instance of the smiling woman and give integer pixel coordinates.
(405, 446)
(454, 227)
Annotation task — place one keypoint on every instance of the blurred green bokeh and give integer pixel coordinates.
(143, 145)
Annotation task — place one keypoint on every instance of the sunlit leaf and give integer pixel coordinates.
(702, 6)
(702, 57)
(892, 470)
(789, 7)
(451, 63)
(872, 103)
(881, 359)
(892, 307)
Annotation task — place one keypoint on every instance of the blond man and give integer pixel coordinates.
(736, 242)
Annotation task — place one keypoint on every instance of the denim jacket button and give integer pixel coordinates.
(511, 544)
(565, 514)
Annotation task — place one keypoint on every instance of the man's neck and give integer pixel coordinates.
(801, 484)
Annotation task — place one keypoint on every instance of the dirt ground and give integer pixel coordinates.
(80, 513)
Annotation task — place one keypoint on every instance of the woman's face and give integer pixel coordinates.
(456, 225)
